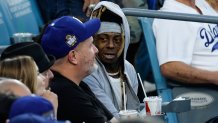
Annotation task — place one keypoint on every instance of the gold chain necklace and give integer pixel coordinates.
(113, 74)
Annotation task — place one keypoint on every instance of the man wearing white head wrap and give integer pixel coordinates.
(109, 27)
(112, 41)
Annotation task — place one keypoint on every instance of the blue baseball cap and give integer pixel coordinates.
(32, 104)
(32, 118)
(65, 33)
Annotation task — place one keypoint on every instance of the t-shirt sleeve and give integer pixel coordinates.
(174, 40)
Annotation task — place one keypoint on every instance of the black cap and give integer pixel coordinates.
(31, 49)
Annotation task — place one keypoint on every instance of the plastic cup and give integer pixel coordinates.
(153, 105)
(22, 37)
(128, 114)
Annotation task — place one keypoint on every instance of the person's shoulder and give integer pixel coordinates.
(128, 65)
(84, 86)
(61, 85)
(60, 81)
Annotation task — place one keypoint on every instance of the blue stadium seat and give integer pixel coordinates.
(163, 90)
(4, 34)
(19, 16)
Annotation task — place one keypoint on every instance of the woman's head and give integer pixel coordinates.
(22, 68)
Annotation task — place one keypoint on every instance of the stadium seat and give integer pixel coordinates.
(4, 34)
(19, 16)
(162, 89)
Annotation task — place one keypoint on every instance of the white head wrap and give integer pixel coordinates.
(109, 27)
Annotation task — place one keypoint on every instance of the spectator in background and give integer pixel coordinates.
(189, 58)
(112, 40)
(209, 7)
(13, 86)
(43, 61)
(6, 100)
(10, 90)
(181, 62)
(32, 118)
(71, 42)
(32, 104)
(59, 8)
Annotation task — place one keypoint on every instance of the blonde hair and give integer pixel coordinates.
(22, 68)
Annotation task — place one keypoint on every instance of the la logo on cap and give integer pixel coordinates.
(52, 24)
(71, 40)
(77, 19)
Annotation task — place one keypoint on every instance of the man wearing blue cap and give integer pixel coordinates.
(10, 90)
(71, 42)
(32, 109)
(33, 118)
(32, 104)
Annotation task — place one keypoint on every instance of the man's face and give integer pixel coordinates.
(110, 46)
(87, 52)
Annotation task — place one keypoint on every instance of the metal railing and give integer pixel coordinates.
(170, 15)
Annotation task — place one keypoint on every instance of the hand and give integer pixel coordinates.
(86, 5)
(53, 98)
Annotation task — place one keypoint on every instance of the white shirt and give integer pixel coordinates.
(185, 41)
(116, 85)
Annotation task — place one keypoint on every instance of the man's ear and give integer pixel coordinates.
(72, 57)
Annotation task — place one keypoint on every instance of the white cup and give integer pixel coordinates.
(129, 114)
(153, 105)
(22, 37)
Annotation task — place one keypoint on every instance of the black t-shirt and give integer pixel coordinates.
(78, 103)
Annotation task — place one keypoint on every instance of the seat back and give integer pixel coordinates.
(162, 89)
(4, 34)
(19, 16)
(204, 102)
